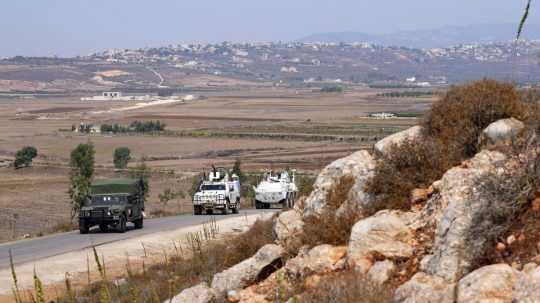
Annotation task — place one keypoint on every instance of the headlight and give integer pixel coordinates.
(108, 213)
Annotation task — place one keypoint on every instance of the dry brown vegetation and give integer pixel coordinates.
(451, 130)
(347, 287)
(328, 228)
(205, 256)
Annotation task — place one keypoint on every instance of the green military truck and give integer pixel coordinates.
(113, 203)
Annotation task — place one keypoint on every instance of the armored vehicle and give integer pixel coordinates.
(217, 191)
(277, 188)
(113, 203)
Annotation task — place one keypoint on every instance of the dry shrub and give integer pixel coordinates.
(185, 268)
(451, 131)
(410, 165)
(347, 287)
(465, 111)
(329, 228)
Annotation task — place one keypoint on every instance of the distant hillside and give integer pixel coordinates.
(443, 37)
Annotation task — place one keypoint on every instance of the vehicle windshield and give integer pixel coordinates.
(213, 187)
(107, 200)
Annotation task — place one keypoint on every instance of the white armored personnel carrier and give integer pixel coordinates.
(274, 189)
(217, 191)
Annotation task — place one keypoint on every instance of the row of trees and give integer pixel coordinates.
(135, 126)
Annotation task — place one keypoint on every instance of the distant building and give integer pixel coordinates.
(382, 115)
(111, 95)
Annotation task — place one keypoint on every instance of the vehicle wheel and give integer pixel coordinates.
(139, 223)
(236, 209)
(209, 211)
(225, 211)
(121, 225)
(197, 210)
(258, 205)
(83, 227)
(103, 227)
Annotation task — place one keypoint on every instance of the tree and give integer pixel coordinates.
(122, 155)
(24, 156)
(82, 170)
(237, 170)
(142, 172)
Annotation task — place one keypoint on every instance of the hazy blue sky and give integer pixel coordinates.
(70, 27)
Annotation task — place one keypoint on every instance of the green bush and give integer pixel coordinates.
(24, 156)
(121, 157)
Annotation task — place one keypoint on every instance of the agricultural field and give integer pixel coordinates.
(264, 127)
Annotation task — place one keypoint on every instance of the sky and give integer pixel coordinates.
(79, 27)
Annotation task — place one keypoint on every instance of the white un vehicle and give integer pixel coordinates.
(277, 188)
(217, 191)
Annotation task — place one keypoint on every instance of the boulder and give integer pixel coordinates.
(287, 225)
(249, 270)
(196, 294)
(360, 165)
(321, 259)
(381, 271)
(423, 288)
(383, 234)
(501, 132)
(453, 211)
(493, 283)
(412, 133)
(419, 195)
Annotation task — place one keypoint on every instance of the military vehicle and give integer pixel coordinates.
(218, 191)
(113, 203)
(274, 189)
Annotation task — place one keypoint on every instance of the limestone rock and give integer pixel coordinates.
(381, 271)
(360, 165)
(287, 225)
(246, 272)
(460, 201)
(423, 288)
(501, 132)
(419, 195)
(412, 133)
(321, 259)
(493, 283)
(384, 233)
(196, 294)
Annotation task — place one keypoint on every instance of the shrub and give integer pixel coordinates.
(451, 130)
(24, 156)
(465, 111)
(82, 170)
(347, 287)
(407, 166)
(329, 228)
(121, 157)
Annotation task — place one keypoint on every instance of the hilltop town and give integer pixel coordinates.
(295, 64)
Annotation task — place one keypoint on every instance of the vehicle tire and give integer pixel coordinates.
(258, 205)
(197, 210)
(83, 227)
(209, 211)
(139, 224)
(225, 211)
(103, 227)
(121, 225)
(236, 208)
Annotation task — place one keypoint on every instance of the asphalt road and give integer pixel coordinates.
(35, 249)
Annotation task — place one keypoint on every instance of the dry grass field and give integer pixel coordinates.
(264, 127)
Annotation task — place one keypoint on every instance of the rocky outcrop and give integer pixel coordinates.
(248, 271)
(453, 210)
(499, 283)
(382, 234)
(413, 133)
(359, 165)
(502, 132)
(287, 226)
(196, 294)
(319, 260)
(423, 288)
(381, 271)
